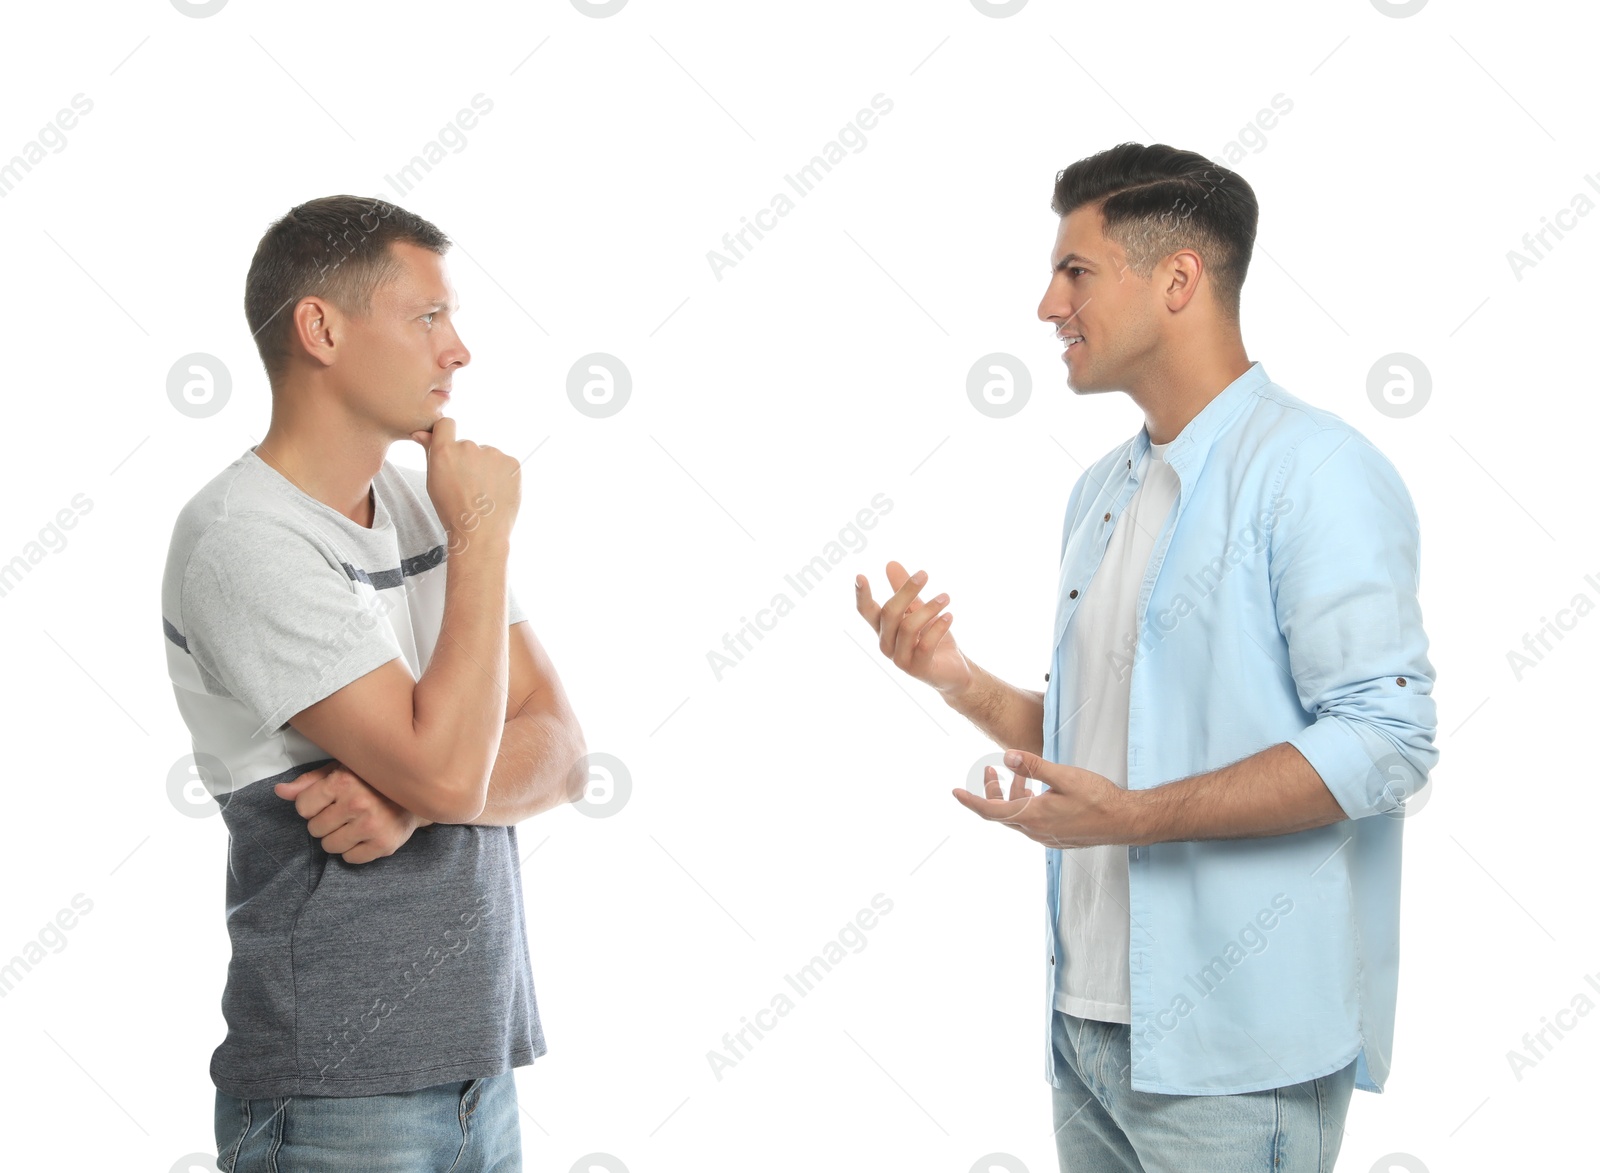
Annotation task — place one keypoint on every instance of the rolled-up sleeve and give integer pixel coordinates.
(1344, 566)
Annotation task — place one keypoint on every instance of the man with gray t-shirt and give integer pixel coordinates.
(373, 714)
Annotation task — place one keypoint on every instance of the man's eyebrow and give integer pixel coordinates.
(437, 305)
(1070, 258)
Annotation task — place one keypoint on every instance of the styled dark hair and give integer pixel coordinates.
(336, 247)
(1158, 199)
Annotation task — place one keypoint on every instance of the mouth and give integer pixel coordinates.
(445, 391)
(1070, 342)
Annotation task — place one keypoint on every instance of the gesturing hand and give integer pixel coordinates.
(348, 816)
(1076, 808)
(913, 633)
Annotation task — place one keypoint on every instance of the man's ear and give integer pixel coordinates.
(1181, 272)
(318, 326)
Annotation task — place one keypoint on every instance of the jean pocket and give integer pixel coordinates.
(471, 1093)
(230, 1119)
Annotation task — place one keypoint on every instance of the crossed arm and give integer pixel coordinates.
(538, 767)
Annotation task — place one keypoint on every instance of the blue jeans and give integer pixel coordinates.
(1104, 1126)
(466, 1127)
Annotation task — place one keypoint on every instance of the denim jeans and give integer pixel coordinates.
(1104, 1126)
(464, 1127)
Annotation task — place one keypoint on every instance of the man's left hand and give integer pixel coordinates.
(1075, 808)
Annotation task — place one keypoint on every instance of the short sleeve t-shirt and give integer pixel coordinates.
(345, 979)
(1093, 926)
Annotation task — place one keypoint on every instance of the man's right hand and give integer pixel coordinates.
(475, 489)
(349, 817)
(913, 633)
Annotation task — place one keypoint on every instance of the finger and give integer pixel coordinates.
(938, 627)
(1019, 780)
(1031, 765)
(866, 606)
(342, 839)
(912, 627)
(330, 819)
(293, 787)
(897, 579)
(364, 852)
(895, 608)
(1019, 787)
(995, 810)
(314, 799)
(991, 782)
(971, 801)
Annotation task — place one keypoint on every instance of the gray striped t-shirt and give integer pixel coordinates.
(345, 979)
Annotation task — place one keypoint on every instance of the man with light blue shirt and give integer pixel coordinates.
(1237, 706)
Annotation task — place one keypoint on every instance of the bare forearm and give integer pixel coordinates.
(1273, 792)
(1011, 717)
(459, 703)
(535, 769)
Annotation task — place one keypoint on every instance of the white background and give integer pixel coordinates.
(769, 407)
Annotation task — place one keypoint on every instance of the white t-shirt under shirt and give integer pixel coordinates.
(1093, 924)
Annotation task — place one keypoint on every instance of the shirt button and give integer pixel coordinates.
(1047, 678)
(1130, 462)
(1107, 517)
(1052, 959)
(1072, 594)
(1400, 680)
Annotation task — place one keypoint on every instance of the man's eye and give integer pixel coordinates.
(1076, 269)
(428, 318)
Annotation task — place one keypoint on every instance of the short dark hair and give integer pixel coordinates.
(336, 247)
(1158, 199)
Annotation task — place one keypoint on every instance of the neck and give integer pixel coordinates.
(333, 464)
(1177, 391)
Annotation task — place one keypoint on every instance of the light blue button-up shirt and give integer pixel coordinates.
(1280, 604)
